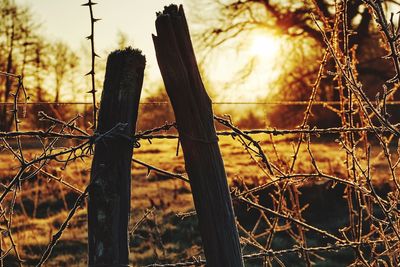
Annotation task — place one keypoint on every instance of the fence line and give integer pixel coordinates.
(270, 253)
(267, 103)
(143, 136)
(370, 230)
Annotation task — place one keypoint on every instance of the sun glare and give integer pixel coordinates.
(265, 46)
(254, 64)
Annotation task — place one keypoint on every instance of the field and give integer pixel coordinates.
(163, 225)
(309, 134)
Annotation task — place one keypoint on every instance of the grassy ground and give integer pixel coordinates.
(169, 234)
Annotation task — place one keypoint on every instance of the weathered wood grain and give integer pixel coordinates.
(194, 117)
(110, 188)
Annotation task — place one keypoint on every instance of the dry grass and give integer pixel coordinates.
(305, 199)
(166, 234)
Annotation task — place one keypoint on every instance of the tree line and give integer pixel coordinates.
(49, 67)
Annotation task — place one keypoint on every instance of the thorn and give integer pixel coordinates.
(393, 80)
(90, 37)
(90, 73)
(96, 55)
(95, 20)
(89, 4)
(91, 91)
(389, 56)
(351, 32)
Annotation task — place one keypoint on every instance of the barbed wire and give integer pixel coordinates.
(149, 136)
(266, 103)
(270, 253)
(371, 229)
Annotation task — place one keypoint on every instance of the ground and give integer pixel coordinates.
(169, 233)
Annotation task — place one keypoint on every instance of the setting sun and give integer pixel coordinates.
(202, 133)
(264, 46)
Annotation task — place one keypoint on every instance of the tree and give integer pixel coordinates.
(122, 40)
(63, 63)
(16, 29)
(40, 66)
(296, 22)
(41, 63)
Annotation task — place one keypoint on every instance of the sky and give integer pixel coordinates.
(67, 20)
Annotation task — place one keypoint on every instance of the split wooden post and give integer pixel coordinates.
(194, 117)
(110, 188)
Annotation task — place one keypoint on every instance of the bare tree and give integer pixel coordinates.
(296, 22)
(63, 63)
(40, 67)
(122, 39)
(16, 29)
(295, 19)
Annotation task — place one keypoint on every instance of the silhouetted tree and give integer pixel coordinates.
(47, 67)
(122, 40)
(63, 63)
(295, 22)
(16, 29)
(40, 67)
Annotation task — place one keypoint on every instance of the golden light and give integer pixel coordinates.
(265, 46)
(248, 70)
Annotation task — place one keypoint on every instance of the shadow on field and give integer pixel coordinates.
(327, 209)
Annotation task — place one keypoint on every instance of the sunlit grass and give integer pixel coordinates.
(169, 196)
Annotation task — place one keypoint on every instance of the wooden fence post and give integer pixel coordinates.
(194, 117)
(110, 188)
